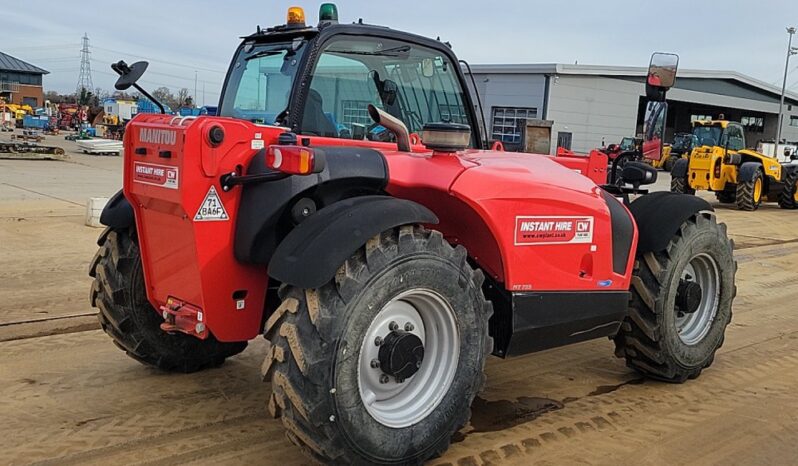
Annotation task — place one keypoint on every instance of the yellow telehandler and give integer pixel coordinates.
(719, 162)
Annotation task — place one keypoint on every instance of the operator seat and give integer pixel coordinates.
(314, 121)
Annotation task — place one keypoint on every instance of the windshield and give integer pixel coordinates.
(627, 144)
(261, 80)
(707, 135)
(416, 84)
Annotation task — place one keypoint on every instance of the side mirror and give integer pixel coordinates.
(638, 173)
(662, 70)
(128, 75)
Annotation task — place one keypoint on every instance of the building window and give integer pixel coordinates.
(564, 139)
(794, 121)
(32, 101)
(756, 124)
(509, 123)
(700, 118)
(356, 112)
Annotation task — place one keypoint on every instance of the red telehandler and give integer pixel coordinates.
(344, 205)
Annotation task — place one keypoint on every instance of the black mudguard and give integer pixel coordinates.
(680, 167)
(311, 254)
(659, 216)
(747, 171)
(118, 213)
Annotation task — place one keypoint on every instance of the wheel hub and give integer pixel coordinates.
(401, 354)
(688, 296)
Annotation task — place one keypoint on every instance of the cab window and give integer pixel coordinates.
(736, 139)
(413, 83)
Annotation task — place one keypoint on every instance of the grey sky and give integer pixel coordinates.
(179, 37)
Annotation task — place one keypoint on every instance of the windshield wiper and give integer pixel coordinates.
(264, 53)
(391, 52)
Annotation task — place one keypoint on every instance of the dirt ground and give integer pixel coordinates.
(69, 396)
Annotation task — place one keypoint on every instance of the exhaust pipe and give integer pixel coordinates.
(394, 125)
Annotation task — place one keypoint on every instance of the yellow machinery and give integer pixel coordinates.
(663, 162)
(719, 162)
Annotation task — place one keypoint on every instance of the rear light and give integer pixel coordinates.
(717, 167)
(295, 160)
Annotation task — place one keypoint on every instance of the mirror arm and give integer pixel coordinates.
(152, 99)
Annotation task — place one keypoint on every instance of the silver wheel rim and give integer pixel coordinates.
(692, 328)
(433, 320)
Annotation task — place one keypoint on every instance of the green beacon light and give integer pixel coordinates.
(328, 12)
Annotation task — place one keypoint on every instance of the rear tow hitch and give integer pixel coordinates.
(181, 317)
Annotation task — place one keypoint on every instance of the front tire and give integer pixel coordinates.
(127, 316)
(749, 193)
(328, 375)
(788, 192)
(671, 334)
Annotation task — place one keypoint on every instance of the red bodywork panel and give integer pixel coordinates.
(530, 221)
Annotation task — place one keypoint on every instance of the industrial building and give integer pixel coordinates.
(21, 82)
(581, 107)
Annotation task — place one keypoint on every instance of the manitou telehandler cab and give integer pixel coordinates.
(719, 162)
(343, 205)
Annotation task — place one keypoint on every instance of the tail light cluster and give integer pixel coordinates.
(295, 160)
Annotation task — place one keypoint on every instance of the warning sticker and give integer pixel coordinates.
(211, 208)
(531, 231)
(155, 175)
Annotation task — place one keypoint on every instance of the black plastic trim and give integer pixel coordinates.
(543, 320)
(311, 254)
(623, 231)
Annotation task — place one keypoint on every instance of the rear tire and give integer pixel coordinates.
(749, 193)
(127, 316)
(787, 194)
(681, 186)
(321, 339)
(657, 339)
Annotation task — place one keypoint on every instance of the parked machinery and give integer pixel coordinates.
(720, 163)
(383, 272)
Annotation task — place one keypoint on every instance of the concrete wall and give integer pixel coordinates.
(592, 109)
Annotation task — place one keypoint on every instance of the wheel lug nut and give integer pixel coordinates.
(375, 363)
(393, 326)
(409, 327)
(378, 341)
(384, 378)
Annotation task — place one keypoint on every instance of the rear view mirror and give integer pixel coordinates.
(662, 70)
(128, 75)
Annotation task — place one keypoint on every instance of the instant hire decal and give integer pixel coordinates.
(155, 175)
(531, 231)
(211, 208)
